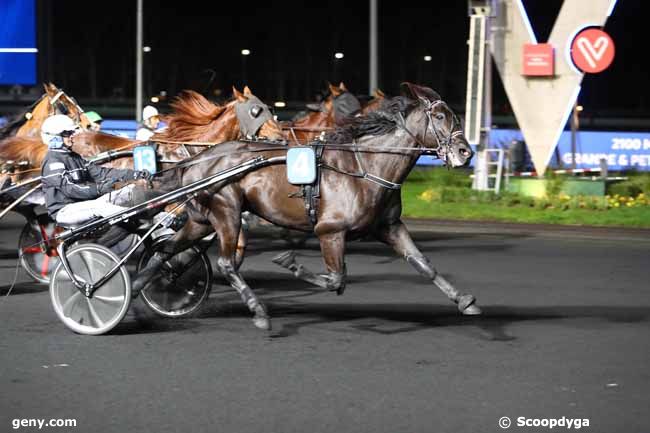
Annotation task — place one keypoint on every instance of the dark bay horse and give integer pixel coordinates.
(388, 143)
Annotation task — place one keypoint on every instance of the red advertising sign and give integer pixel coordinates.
(539, 60)
(592, 50)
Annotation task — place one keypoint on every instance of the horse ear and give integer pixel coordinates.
(247, 91)
(415, 91)
(342, 87)
(379, 94)
(49, 88)
(335, 91)
(238, 95)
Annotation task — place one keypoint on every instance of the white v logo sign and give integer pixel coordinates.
(542, 105)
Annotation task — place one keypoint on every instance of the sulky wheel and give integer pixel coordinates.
(106, 307)
(181, 286)
(37, 256)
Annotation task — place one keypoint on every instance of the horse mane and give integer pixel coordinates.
(192, 117)
(14, 123)
(20, 149)
(380, 122)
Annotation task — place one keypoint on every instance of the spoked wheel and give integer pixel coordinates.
(181, 286)
(106, 307)
(37, 257)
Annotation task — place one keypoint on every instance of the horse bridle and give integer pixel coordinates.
(56, 104)
(441, 151)
(444, 143)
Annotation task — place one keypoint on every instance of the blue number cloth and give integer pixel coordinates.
(144, 158)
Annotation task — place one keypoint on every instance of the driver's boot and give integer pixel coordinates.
(113, 236)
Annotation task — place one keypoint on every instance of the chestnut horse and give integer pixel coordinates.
(359, 189)
(194, 119)
(339, 105)
(53, 101)
(375, 103)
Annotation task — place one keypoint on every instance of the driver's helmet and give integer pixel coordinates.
(148, 112)
(93, 116)
(55, 128)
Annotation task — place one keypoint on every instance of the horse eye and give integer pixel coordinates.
(255, 111)
(440, 116)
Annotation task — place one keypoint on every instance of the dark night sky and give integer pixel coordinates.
(292, 44)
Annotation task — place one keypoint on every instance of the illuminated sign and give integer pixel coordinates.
(538, 60)
(542, 107)
(620, 150)
(592, 50)
(18, 42)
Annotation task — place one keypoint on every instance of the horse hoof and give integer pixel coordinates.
(285, 259)
(472, 310)
(262, 322)
(467, 305)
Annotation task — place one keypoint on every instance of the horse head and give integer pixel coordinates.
(254, 117)
(196, 119)
(339, 105)
(375, 103)
(438, 126)
(61, 103)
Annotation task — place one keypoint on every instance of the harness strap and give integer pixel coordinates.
(56, 97)
(371, 177)
(382, 182)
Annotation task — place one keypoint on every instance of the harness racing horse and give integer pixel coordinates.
(53, 101)
(339, 106)
(375, 103)
(359, 187)
(195, 119)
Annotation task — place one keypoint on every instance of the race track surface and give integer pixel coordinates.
(565, 332)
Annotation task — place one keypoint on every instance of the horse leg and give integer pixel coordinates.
(242, 241)
(332, 246)
(181, 240)
(397, 236)
(228, 232)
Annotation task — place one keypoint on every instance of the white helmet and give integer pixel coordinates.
(54, 127)
(148, 112)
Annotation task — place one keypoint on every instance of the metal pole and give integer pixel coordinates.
(482, 156)
(373, 79)
(138, 65)
(481, 13)
(574, 129)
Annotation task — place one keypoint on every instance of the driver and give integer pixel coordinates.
(77, 191)
(150, 123)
